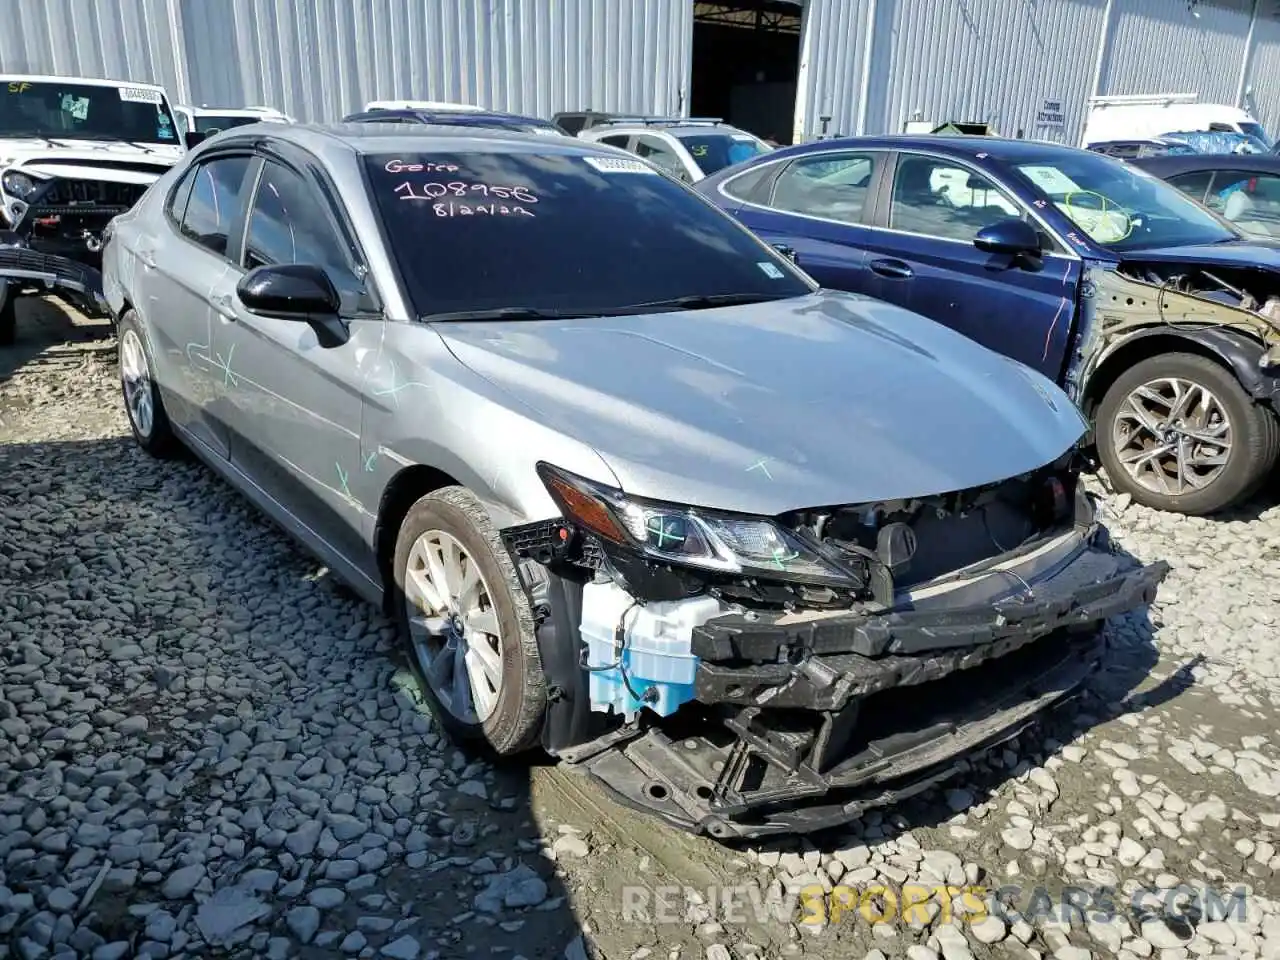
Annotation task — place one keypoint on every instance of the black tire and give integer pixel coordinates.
(160, 440)
(8, 320)
(516, 721)
(1254, 428)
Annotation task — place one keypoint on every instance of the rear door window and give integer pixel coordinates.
(833, 186)
(216, 198)
(1194, 185)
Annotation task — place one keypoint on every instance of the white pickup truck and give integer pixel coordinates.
(74, 153)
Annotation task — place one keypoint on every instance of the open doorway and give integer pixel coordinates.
(746, 58)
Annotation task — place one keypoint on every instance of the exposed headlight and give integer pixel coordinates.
(18, 184)
(689, 536)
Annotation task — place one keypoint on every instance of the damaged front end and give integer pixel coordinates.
(1232, 310)
(58, 229)
(743, 676)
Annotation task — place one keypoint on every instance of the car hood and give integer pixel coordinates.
(1257, 253)
(111, 160)
(819, 400)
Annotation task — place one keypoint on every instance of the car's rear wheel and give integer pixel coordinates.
(468, 624)
(1177, 432)
(8, 317)
(142, 402)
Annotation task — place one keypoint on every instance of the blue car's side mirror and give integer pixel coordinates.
(1012, 237)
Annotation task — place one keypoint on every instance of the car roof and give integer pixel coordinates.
(332, 140)
(232, 111)
(960, 145)
(86, 81)
(672, 128)
(1192, 162)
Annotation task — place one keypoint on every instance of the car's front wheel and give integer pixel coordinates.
(468, 624)
(142, 401)
(1177, 432)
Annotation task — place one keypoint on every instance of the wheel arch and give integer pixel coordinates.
(1234, 351)
(406, 488)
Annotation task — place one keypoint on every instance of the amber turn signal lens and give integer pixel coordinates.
(588, 511)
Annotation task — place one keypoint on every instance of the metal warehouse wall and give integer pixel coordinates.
(318, 59)
(873, 65)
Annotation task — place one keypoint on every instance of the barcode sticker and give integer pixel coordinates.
(139, 95)
(619, 165)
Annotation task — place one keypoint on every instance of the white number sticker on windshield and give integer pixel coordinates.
(770, 270)
(1051, 180)
(139, 95)
(619, 165)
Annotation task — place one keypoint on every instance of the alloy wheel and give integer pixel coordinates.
(135, 375)
(454, 626)
(1172, 436)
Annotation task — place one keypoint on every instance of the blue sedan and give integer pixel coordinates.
(1160, 318)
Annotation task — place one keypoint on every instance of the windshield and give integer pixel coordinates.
(1118, 206)
(562, 234)
(213, 123)
(85, 111)
(715, 151)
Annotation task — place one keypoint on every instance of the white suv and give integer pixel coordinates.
(684, 147)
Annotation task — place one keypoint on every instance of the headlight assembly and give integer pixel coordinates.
(693, 537)
(18, 184)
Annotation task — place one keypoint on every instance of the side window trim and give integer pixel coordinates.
(1059, 248)
(183, 187)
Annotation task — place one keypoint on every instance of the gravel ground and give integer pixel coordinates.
(208, 748)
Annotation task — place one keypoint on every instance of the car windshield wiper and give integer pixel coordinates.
(702, 302)
(506, 313)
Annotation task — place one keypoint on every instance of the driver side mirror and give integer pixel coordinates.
(1012, 236)
(296, 291)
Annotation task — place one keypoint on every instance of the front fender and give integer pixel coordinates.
(1240, 353)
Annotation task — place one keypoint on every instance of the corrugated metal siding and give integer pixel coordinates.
(319, 59)
(116, 39)
(971, 60)
(1159, 46)
(1262, 81)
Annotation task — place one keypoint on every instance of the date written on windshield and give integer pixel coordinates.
(447, 199)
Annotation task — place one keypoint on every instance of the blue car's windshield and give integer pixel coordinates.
(557, 233)
(1118, 206)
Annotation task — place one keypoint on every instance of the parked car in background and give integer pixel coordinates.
(686, 148)
(461, 118)
(1244, 189)
(486, 376)
(1160, 320)
(1131, 149)
(1155, 115)
(74, 152)
(420, 105)
(573, 122)
(208, 120)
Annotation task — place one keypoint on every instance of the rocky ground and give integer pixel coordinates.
(207, 748)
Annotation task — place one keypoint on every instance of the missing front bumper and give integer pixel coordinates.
(801, 726)
(32, 271)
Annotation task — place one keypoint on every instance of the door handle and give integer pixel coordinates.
(894, 269)
(148, 258)
(222, 303)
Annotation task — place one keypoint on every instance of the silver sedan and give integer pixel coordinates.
(619, 469)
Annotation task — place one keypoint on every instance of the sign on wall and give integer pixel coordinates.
(1050, 114)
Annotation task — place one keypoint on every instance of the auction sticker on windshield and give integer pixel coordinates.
(619, 165)
(1051, 180)
(139, 95)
